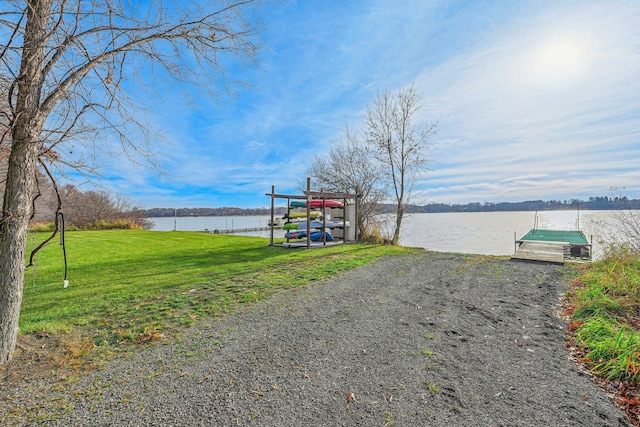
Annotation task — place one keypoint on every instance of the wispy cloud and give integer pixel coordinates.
(517, 119)
(574, 133)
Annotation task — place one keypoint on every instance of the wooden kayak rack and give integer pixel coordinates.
(308, 196)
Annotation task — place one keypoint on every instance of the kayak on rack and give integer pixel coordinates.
(302, 225)
(303, 214)
(298, 204)
(295, 234)
(327, 203)
(317, 236)
(314, 236)
(316, 203)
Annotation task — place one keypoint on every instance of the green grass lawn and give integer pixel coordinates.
(132, 286)
(604, 305)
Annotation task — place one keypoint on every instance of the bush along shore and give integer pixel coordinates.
(477, 334)
(603, 309)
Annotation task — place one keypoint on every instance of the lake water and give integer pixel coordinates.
(201, 223)
(489, 233)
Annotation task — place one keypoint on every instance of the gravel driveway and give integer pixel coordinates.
(426, 339)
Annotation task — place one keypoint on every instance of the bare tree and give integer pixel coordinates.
(5, 133)
(622, 232)
(84, 209)
(65, 63)
(400, 143)
(349, 168)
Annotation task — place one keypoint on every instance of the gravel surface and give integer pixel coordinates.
(426, 339)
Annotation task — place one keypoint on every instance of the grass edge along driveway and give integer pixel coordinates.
(129, 286)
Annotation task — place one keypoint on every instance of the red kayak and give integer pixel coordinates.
(317, 203)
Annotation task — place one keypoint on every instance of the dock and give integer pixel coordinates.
(239, 230)
(555, 246)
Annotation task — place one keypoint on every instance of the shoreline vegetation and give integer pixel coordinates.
(131, 288)
(603, 335)
(593, 203)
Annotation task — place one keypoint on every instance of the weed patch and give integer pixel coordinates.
(603, 307)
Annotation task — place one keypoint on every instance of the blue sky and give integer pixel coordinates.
(535, 100)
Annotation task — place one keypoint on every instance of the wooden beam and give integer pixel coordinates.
(540, 251)
(331, 195)
(287, 196)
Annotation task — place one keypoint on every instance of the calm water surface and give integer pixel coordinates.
(201, 223)
(492, 233)
(489, 233)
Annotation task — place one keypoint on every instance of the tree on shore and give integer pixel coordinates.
(388, 159)
(399, 142)
(86, 209)
(623, 233)
(348, 168)
(66, 67)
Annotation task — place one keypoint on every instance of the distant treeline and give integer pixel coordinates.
(594, 203)
(224, 211)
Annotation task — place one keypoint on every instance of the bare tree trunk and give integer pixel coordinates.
(349, 168)
(74, 56)
(13, 242)
(21, 174)
(399, 143)
(396, 232)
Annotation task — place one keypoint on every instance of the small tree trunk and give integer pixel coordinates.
(399, 210)
(396, 232)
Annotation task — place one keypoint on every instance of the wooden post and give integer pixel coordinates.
(344, 220)
(357, 228)
(324, 219)
(273, 192)
(288, 214)
(308, 213)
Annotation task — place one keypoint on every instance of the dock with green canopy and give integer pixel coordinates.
(553, 246)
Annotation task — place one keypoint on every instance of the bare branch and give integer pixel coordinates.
(348, 168)
(13, 36)
(58, 210)
(399, 142)
(67, 77)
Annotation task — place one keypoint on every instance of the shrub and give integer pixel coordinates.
(603, 305)
(119, 224)
(42, 227)
(377, 231)
(115, 224)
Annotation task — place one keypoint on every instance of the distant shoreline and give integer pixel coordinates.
(594, 203)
